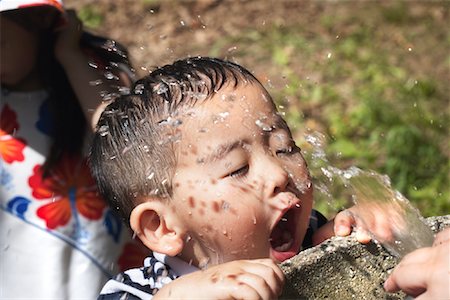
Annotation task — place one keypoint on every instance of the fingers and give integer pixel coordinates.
(271, 275)
(343, 223)
(442, 237)
(411, 274)
(245, 279)
(271, 264)
(255, 287)
(370, 221)
(363, 236)
(407, 278)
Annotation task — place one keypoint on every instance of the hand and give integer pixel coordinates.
(379, 219)
(241, 279)
(68, 39)
(424, 273)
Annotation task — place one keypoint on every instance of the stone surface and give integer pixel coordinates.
(342, 268)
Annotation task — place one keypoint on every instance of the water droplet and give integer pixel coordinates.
(171, 122)
(110, 75)
(263, 126)
(124, 90)
(139, 89)
(95, 82)
(103, 130)
(161, 88)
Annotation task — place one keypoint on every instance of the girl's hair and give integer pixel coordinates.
(133, 153)
(69, 125)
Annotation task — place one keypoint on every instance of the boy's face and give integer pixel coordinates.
(241, 187)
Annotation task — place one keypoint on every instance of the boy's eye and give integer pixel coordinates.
(239, 172)
(288, 150)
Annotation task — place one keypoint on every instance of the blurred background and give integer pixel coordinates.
(371, 77)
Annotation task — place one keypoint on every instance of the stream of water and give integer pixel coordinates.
(398, 225)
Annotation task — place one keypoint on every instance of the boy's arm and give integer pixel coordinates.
(81, 76)
(242, 279)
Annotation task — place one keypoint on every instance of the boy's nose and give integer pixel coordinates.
(277, 177)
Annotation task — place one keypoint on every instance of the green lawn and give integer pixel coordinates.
(373, 80)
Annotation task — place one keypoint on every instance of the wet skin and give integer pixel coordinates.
(238, 174)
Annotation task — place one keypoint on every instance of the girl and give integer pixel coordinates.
(57, 236)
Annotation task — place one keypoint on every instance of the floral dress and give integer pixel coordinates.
(57, 235)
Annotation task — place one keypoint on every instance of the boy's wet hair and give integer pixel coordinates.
(133, 152)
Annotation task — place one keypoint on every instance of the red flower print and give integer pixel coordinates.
(11, 148)
(71, 189)
(133, 255)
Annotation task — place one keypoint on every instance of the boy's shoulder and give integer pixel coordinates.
(142, 283)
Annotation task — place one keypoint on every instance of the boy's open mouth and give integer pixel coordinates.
(283, 239)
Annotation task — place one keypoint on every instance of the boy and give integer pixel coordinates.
(204, 169)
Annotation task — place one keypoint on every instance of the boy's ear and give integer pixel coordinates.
(156, 226)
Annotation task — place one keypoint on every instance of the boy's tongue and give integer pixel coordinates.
(282, 241)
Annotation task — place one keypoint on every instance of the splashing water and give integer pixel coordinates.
(398, 225)
(373, 193)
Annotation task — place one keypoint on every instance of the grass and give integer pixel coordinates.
(365, 81)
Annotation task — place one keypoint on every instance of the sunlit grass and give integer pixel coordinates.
(364, 82)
